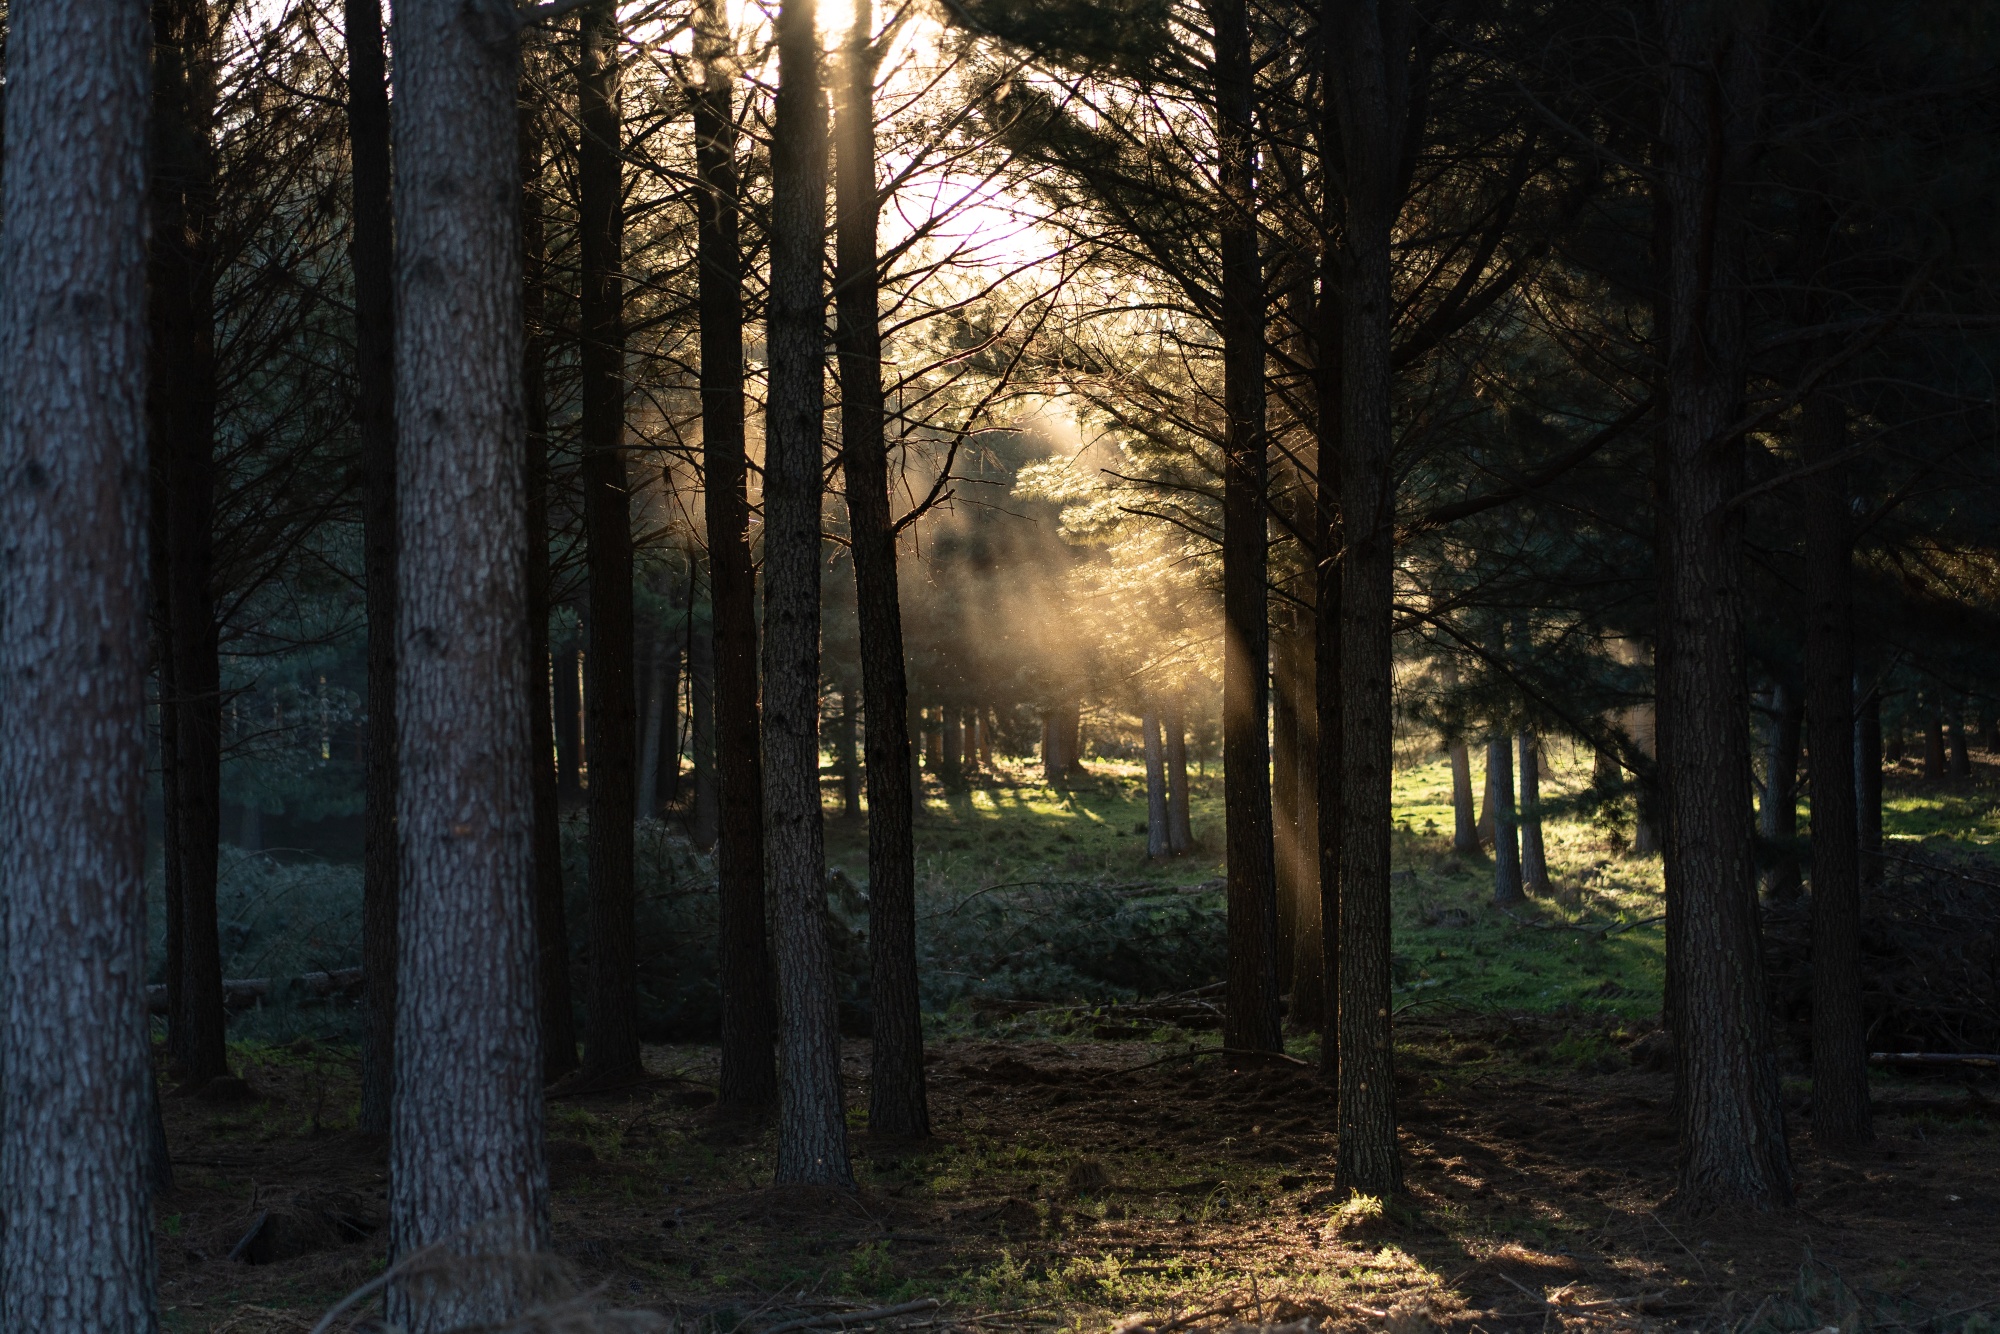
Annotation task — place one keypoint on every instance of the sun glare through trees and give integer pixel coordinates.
(1160, 666)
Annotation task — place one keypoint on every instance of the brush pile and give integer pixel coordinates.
(1930, 956)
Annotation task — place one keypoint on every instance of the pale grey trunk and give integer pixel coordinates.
(812, 1120)
(1156, 787)
(77, 1251)
(1464, 824)
(1534, 854)
(466, 1157)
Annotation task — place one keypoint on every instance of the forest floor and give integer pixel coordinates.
(1095, 1169)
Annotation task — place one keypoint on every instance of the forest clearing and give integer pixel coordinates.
(1101, 1166)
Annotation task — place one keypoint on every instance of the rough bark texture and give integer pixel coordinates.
(1329, 389)
(1371, 86)
(373, 257)
(897, 1103)
(1840, 1116)
(558, 1013)
(1732, 1130)
(1506, 828)
(1180, 830)
(466, 1155)
(1534, 855)
(749, 1076)
(1464, 822)
(181, 419)
(812, 1120)
(611, 1033)
(1156, 786)
(1251, 1019)
(76, 1249)
(1778, 820)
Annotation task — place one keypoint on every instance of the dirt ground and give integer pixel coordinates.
(1138, 1184)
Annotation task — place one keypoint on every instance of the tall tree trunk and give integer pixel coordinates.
(701, 726)
(1868, 776)
(1840, 1116)
(169, 715)
(647, 799)
(749, 1076)
(1287, 841)
(373, 256)
(181, 418)
(1251, 1020)
(1329, 411)
(1778, 821)
(1156, 786)
(1180, 830)
(75, 1223)
(847, 757)
(1464, 823)
(1934, 752)
(466, 1159)
(611, 1033)
(1308, 991)
(1373, 94)
(555, 1004)
(1506, 828)
(1488, 804)
(812, 1117)
(1961, 758)
(1732, 1129)
(1534, 854)
(898, 1103)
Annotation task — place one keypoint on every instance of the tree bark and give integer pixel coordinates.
(1779, 820)
(611, 1033)
(466, 1160)
(181, 419)
(1251, 1019)
(1180, 829)
(701, 726)
(812, 1119)
(1506, 828)
(1961, 758)
(648, 796)
(1534, 855)
(75, 1221)
(373, 256)
(555, 1004)
(847, 756)
(1732, 1129)
(1464, 823)
(1868, 777)
(749, 1076)
(1840, 1115)
(1934, 753)
(1287, 838)
(566, 675)
(1373, 95)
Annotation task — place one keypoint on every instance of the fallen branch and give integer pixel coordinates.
(1980, 1058)
(842, 1319)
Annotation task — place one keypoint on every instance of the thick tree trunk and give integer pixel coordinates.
(1287, 839)
(1251, 1020)
(897, 1102)
(749, 1076)
(1371, 88)
(75, 1224)
(701, 741)
(1506, 828)
(1180, 829)
(373, 256)
(1156, 786)
(466, 1157)
(1868, 777)
(1934, 752)
(181, 418)
(611, 1034)
(1732, 1129)
(1328, 736)
(1464, 823)
(812, 1118)
(1840, 1116)
(1778, 821)
(1961, 758)
(555, 1004)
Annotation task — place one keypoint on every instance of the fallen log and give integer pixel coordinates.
(243, 993)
